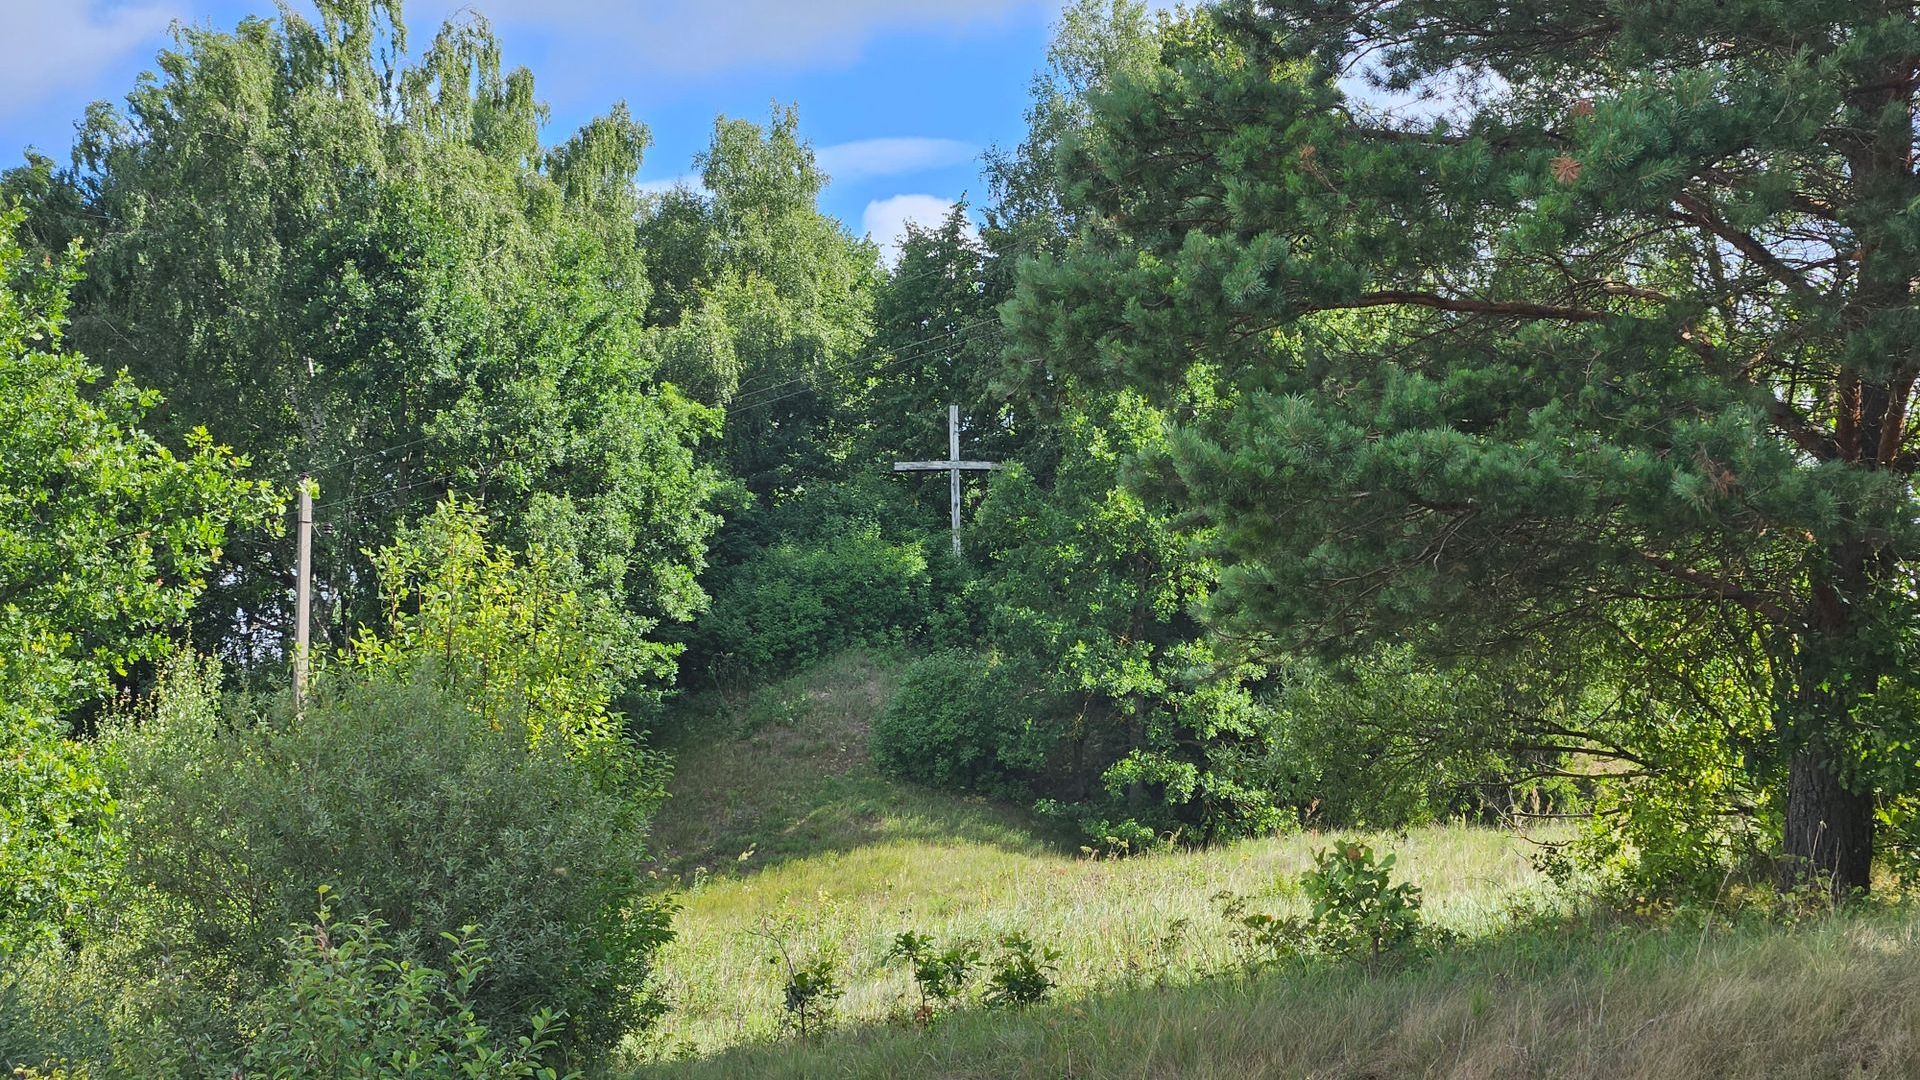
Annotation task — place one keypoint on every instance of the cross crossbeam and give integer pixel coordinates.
(953, 466)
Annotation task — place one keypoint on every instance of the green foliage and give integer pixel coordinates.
(1262, 939)
(1092, 588)
(58, 836)
(1387, 740)
(460, 780)
(411, 807)
(353, 1006)
(958, 720)
(936, 342)
(810, 989)
(801, 575)
(1021, 973)
(939, 974)
(1355, 911)
(1584, 378)
(505, 636)
(359, 262)
(794, 603)
(764, 300)
(107, 537)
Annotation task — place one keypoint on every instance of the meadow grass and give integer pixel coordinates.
(782, 833)
(1835, 999)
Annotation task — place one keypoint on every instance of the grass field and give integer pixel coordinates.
(1837, 1000)
(781, 830)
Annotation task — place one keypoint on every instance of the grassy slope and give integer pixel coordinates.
(839, 858)
(1838, 1000)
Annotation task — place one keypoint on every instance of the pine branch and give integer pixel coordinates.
(1518, 308)
(1725, 590)
(1701, 213)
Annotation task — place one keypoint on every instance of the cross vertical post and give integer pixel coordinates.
(953, 467)
(953, 454)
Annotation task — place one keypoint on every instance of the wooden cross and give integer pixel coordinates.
(953, 465)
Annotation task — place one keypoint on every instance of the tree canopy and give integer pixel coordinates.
(1550, 331)
(369, 270)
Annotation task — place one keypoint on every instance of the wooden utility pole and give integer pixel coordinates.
(952, 466)
(303, 596)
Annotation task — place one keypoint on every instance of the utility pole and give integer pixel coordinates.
(953, 467)
(303, 596)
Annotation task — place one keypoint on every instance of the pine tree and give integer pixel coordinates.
(1539, 315)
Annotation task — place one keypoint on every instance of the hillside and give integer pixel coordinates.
(781, 832)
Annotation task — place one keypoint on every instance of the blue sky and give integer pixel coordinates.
(898, 96)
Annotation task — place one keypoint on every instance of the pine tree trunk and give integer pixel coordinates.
(1829, 829)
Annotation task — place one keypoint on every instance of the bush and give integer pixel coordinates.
(354, 1007)
(58, 842)
(939, 974)
(794, 603)
(392, 792)
(1356, 911)
(957, 720)
(1022, 973)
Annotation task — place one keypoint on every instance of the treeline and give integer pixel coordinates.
(1073, 666)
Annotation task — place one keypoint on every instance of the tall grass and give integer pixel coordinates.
(784, 829)
(781, 828)
(1840, 999)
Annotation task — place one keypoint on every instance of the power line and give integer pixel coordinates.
(435, 478)
(741, 404)
(382, 452)
(872, 353)
(808, 389)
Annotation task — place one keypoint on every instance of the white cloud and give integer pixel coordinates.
(885, 220)
(867, 158)
(704, 36)
(666, 184)
(53, 45)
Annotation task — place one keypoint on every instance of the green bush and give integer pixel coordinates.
(393, 793)
(939, 974)
(58, 842)
(958, 720)
(797, 602)
(1022, 973)
(1356, 911)
(354, 1007)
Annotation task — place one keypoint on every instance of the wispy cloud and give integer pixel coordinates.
(55, 45)
(665, 184)
(705, 36)
(885, 220)
(866, 158)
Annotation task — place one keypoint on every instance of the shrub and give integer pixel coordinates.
(796, 602)
(940, 974)
(1022, 973)
(1356, 911)
(957, 721)
(354, 1007)
(58, 840)
(392, 792)
(809, 991)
